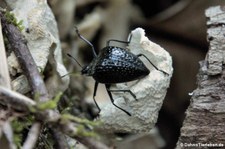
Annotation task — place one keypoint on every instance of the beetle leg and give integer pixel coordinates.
(152, 63)
(108, 42)
(112, 100)
(129, 91)
(95, 90)
(115, 40)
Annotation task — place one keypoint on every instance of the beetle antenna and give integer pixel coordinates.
(74, 59)
(85, 40)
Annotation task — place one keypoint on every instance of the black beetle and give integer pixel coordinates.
(114, 65)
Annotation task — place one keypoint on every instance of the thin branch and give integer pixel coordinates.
(32, 136)
(4, 71)
(7, 129)
(60, 143)
(15, 100)
(91, 143)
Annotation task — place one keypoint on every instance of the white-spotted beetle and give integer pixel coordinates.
(114, 65)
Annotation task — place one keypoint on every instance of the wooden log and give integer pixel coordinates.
(204, 125)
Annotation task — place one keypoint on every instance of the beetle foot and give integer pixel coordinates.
(133, 95)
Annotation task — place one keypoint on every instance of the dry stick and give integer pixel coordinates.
(4, 71)
(16, 100)
(5, 81)
(21, 50)
(60, 137)
(89, 143)
(35, 129)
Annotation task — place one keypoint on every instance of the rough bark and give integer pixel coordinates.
(204, 125)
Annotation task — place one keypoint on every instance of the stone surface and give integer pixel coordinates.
(150, 91)
(41, 33)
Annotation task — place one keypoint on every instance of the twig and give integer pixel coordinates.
(91, 143)
(4, 72)
(60, 143)
(7, 129)
(32, 136)
(15, 100)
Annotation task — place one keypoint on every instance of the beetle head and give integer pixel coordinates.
(87, 70)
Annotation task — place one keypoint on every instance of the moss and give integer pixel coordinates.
(45, 139)
(84, 128)
(10, 17)
(51, 104)
(80, 120)
(82, 131)
(19, 127)
(41, 106)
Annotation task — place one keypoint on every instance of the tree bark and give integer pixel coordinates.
(204, 125)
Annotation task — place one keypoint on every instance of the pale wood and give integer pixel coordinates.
(6, 82)
(4, 71)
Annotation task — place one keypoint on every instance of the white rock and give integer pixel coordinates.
(42, 40)
(150, 91)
